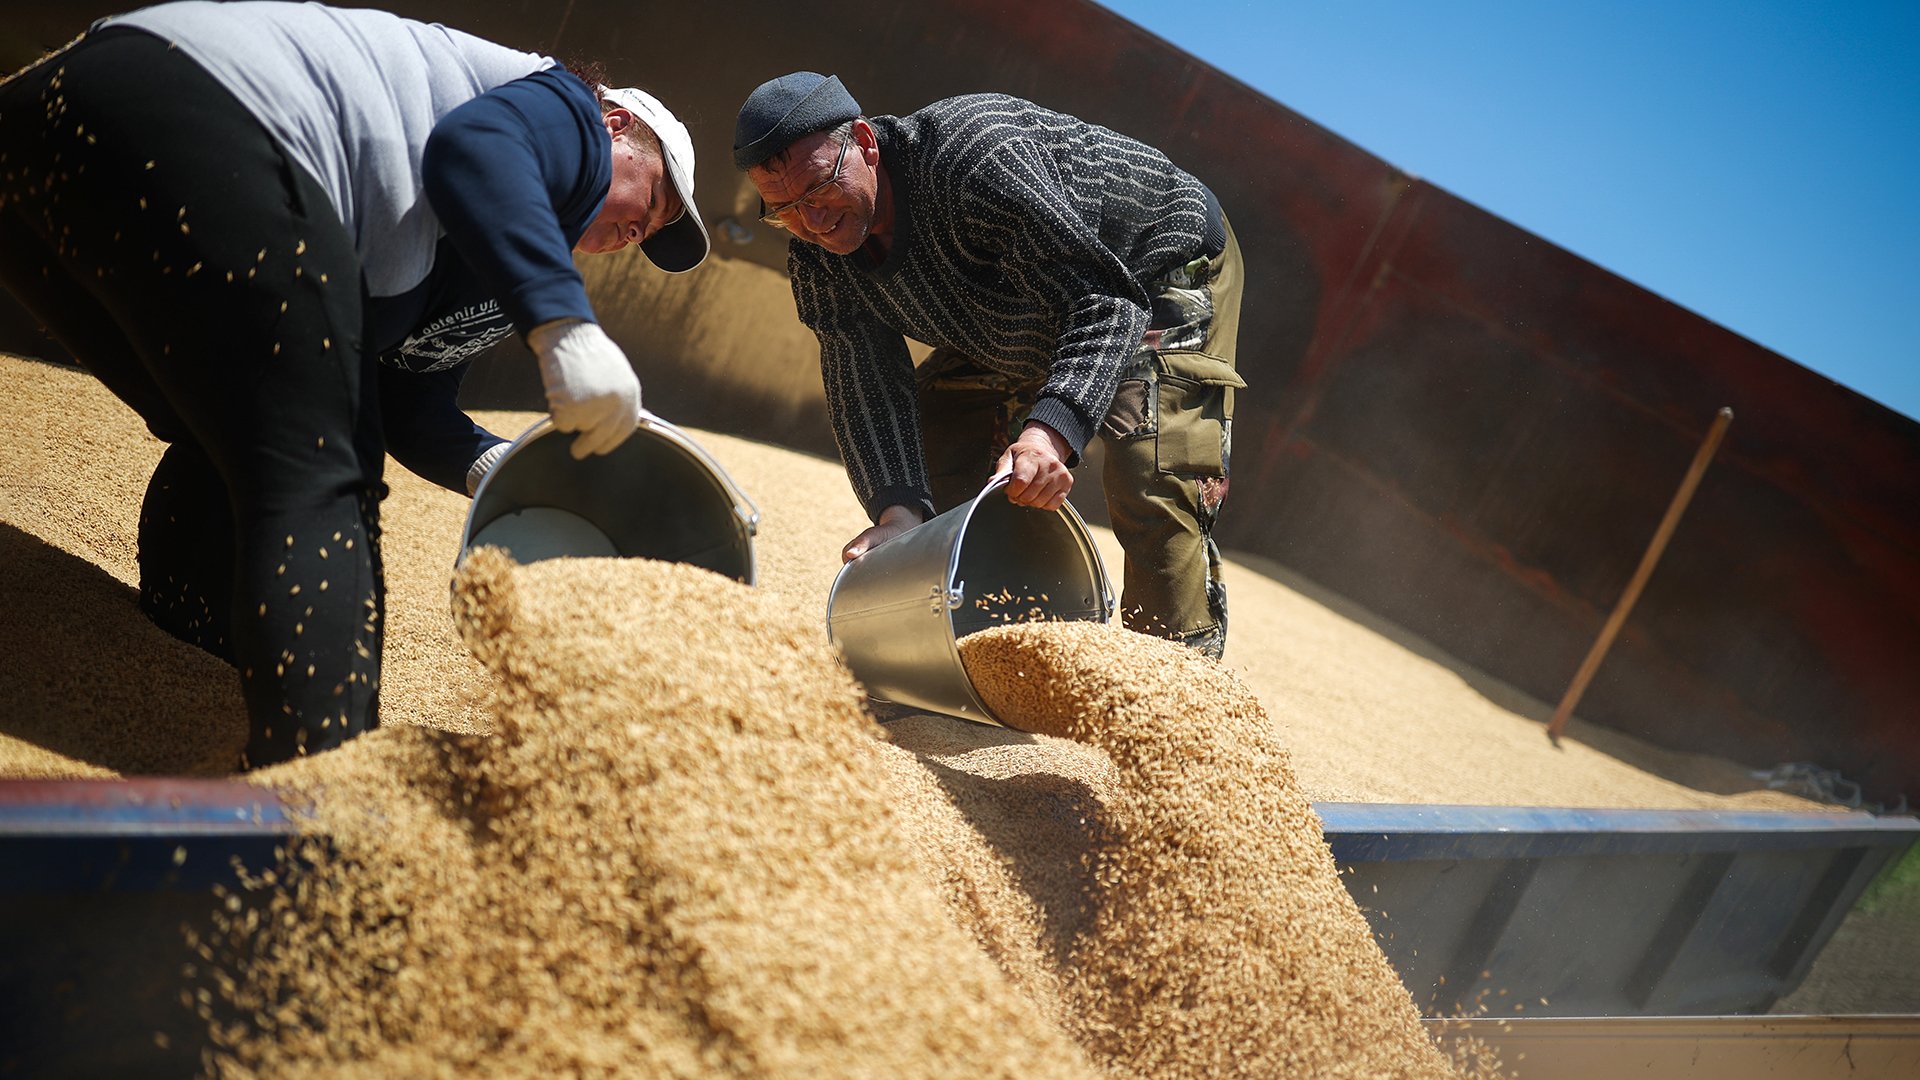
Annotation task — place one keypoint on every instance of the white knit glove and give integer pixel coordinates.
(484, 464)
(591, 388)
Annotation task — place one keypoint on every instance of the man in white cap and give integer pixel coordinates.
(279, 232)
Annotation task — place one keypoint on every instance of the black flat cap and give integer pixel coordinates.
(784, 109)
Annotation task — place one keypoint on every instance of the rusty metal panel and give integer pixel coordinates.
(1532, 413)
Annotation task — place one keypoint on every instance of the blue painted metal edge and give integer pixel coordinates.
(143, 835)
(139, 807)
(165, 812)
(1389, 832)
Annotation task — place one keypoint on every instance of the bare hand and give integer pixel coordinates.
(1037, 464)
(894, 520)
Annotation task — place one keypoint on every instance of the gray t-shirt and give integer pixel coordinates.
(350, 95)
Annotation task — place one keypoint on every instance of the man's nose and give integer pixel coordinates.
(815, 216)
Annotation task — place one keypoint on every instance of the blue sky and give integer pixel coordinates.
(1758, 162)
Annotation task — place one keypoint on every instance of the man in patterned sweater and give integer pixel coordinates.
(1072, 282)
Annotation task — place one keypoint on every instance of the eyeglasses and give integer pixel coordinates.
(772, 214)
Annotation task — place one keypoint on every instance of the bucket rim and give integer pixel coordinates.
(1075, 523)
(744, 508)
(948, 597)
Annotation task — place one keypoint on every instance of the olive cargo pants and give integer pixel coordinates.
(1168, 436)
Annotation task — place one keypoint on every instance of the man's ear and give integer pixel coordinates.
(617, 120)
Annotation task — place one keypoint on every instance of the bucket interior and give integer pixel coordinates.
(650, 498)
(897, 613)
(1021, 565)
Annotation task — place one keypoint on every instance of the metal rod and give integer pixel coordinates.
(1625, 604)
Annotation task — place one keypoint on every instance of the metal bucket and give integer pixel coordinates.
(898, 611)
(657, 496)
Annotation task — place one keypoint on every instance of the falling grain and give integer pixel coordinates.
(1222, 942)
(662, 809)
(675, 856)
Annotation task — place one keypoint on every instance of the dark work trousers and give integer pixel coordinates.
(1168, 437)
(156, 229)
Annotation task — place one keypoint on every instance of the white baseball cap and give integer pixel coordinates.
(682, 243)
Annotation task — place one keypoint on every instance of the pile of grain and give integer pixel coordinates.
(687, 850)
(1217, 907)
(71, 635)
(675, 856)
(1371, 714)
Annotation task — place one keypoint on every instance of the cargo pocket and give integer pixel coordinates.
(1195, 404)
(1129, 416)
